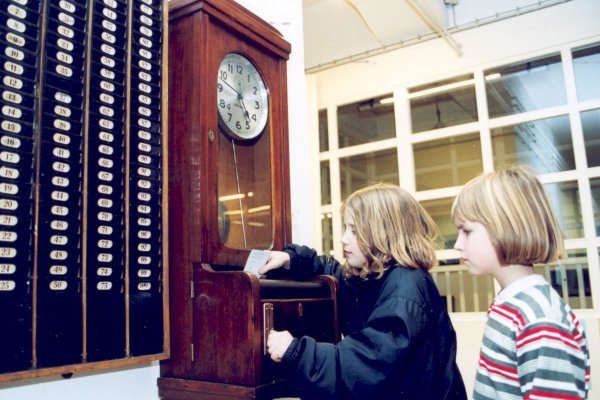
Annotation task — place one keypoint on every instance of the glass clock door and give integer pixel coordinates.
(244, 192)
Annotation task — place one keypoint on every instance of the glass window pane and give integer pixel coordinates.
(440, 212)
(595, 185)
(327, 234)
(447, 162)
(527, 86)
(564, 197)
(325, 183)
(590, 122)
(362, 170)
(544, 144)
(443, 104)
(365, 121)
(463, 292)
(586, 64)
(570, 278)
(323, 131)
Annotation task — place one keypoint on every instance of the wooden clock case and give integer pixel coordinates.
(219, 315)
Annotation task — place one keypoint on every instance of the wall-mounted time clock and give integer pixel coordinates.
(228, 194)
(243, 99)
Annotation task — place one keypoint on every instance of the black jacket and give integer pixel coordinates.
(398, 340)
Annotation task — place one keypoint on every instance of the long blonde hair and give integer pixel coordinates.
(391, 227)
(512, 205)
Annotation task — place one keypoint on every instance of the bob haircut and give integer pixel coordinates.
(391, 227)
(512, 205)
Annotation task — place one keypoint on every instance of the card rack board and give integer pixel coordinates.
(83, 273)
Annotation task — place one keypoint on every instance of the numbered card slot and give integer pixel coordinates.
(16, 12)
(16, 143)
(100, 71)
(67, 44)
(21, 72)
(12, 81)
(143, 19)
(61, 96)
(151, 112)
(16, 168)
(72, 36)
(72, 18)
(16, 97)
(29, 5)
(20, 115)
(102, 25)
(64, 111)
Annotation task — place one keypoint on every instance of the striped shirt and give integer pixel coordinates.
(533, 347)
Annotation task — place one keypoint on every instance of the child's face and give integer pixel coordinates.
(476, 249)
(354, 256)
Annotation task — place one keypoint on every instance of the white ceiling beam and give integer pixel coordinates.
(425, 14)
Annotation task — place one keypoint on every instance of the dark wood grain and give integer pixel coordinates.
(216, 309)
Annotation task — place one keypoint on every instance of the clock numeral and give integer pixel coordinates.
(238, 69)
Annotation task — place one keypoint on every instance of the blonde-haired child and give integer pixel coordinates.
(398, 340)
(533, 346)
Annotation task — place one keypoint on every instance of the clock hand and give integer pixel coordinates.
(246, 113)
(232, 88)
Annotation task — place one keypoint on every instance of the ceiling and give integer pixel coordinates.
(341, 31)
(338, 29)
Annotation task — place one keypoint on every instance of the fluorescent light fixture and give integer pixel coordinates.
(491, 77)
(387, 100)
(232, 197)
(443, 88)
(258, 209)
(233, 212)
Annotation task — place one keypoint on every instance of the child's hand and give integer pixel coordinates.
(278, 343)
(277, 259)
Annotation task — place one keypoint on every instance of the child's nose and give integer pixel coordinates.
(344, 239)
(458, 245)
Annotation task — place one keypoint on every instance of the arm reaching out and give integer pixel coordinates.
(278, 343)
(277, 259)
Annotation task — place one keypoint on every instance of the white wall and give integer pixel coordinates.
(286, 17)
(139, 383)
(136, 383)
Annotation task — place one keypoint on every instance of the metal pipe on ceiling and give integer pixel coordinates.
(425, 14)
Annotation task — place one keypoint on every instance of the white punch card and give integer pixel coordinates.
(256, 259)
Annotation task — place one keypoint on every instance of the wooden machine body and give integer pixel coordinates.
(217, 310)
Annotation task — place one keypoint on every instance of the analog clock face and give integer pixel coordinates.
(242, 98)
